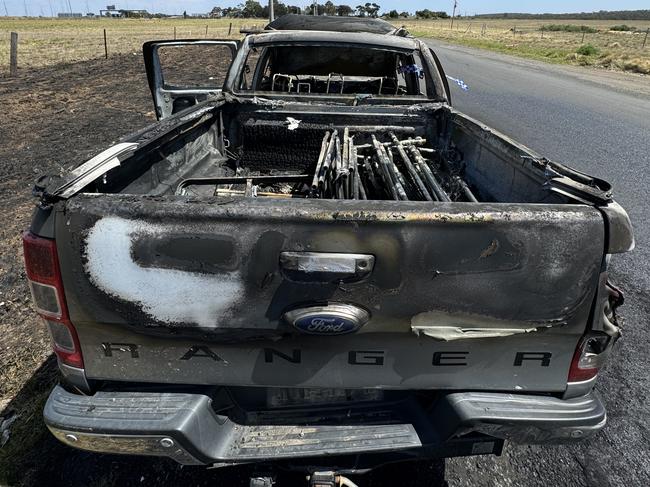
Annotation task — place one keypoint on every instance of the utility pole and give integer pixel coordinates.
(51, 9)
(315, 7)
(6, 11)
(271, 16)
(453, 14)
(26, 11)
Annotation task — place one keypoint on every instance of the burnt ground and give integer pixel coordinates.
(53, 118)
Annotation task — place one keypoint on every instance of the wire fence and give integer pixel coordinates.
(68, 43)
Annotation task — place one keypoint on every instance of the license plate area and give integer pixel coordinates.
(292, 396)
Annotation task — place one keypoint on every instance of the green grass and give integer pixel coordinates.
(622, 28)
(587, 50)
(548, 54)
(568, 28)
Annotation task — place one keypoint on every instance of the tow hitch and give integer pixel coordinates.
(329, 479)
(316, 479)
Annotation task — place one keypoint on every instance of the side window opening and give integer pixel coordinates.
(194, 66)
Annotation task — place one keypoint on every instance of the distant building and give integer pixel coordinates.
(112, 12)
(69, 15)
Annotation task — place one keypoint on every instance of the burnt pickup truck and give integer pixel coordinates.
(312, 257)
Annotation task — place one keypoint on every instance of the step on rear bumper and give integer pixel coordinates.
(185, 428)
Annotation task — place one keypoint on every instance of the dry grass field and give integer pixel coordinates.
(619, 50)
(44, 42)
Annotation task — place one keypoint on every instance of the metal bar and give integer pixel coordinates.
(336, 167)
(409, 166)
(239, 192)
(367, 164)
(322, 181)
(321, 158)
(382, 128)
(255, 180)
(382, 167)
(354, 168)
(397, 174)
(430, 178)
(344, 170)
(391, 173)
(468, 192)
(363, 194)
(417, 141)
(249, 188)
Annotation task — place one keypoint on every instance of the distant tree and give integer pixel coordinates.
(393, 14)
(405, 15)
(344, 10)
(251, 9)
(184, 14)
(361, 11)
(292, 9)
(232, 12)
(428, 14)
(372, 9)
(309, 9)
(329, 8)
(279, 9)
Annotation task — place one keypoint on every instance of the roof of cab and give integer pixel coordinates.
(333, 23)
(358, 38)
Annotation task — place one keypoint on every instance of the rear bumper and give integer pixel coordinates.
(186, 428)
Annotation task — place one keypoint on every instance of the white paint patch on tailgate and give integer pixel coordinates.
(168, 295)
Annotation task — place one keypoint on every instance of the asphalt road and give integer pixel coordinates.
(598, 123)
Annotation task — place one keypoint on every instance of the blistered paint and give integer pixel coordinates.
(455, 326)
(168, 295)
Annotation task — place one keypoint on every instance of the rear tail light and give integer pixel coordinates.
(590, 355)
(44, 277)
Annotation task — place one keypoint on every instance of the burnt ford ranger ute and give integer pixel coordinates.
(312, 257)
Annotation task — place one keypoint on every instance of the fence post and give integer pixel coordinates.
(583, 37)
(13, 57)
(230, 28)
(206, 31)
(174, 32)
(105, 45)
(645, 38)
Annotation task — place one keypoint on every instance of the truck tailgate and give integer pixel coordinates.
(460, 296)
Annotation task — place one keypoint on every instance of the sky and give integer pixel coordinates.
(469, 7)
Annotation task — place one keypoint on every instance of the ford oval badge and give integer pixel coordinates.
(331, 319)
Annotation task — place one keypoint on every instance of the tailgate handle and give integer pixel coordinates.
(325, 267)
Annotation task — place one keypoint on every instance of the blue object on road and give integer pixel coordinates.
(459, 82)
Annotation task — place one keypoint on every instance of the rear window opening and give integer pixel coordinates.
(317, 69)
